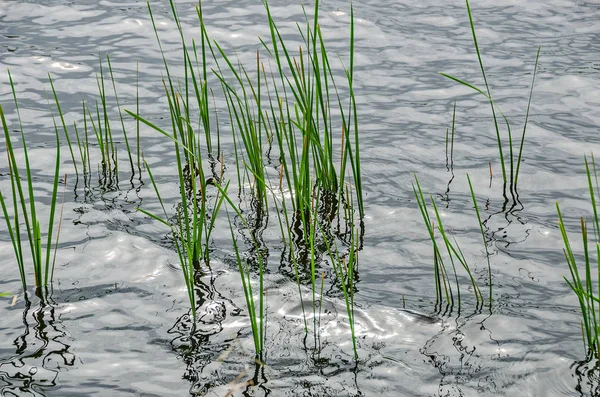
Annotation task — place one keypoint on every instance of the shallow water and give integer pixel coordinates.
(118, 324)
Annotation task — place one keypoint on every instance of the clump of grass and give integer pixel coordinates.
(194, 219)
(193, 224)
(296, 107)
(260, 114)
(445, 295)
(248, 125)
(99, 119)
(25, 209)
(308, 119)
(103, 130)
(583, 284)
(510, 177)
(313, 122)
(296, 110)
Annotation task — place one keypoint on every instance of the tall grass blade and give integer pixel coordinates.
(587, 296)
(535, 67)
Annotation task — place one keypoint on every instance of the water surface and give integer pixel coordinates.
(118, 324)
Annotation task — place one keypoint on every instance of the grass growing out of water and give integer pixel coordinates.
(485, 243)
(511, 176)
(194, 219)
(442, 278)
(297, 107)
(344, 267)
(303, 127)
(193, 224)
(312, 124)
(99, 119)
(248, 125)
(25, 210)
(316, 135)
(583, 284)
(257, 320)
(103, 130)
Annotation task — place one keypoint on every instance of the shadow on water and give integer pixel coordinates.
(106, 187)
(111, 206)
(459, 361)
(214, 361)
(194, 344)
(587, 373)
(506, 225)
(499, 235)
(219, 360)
(41, 353)
(450, 156)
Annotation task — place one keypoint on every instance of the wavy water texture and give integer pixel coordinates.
(117, 322)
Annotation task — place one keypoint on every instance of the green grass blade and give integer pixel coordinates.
(537, 58)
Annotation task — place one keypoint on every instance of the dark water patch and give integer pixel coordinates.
(41, 353)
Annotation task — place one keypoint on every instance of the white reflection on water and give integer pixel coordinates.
(64, 66)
